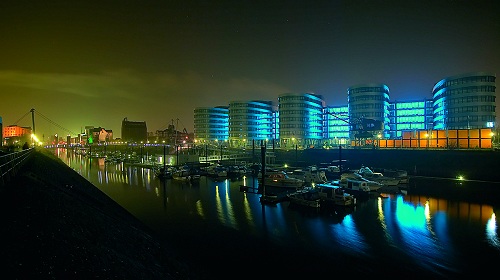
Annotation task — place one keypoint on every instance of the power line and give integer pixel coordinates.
(56, 124)
(22, 118)
(47, 119)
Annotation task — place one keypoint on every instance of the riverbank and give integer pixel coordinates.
(57, 225)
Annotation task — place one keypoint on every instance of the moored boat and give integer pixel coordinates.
(164, 172)
(356, 187)
(335, 195)
(308, 197)
(282, 180)
(185, 175)
(373, 185)
(378, 177)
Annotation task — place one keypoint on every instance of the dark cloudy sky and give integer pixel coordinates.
(80, 63)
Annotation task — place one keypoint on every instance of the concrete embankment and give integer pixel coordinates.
(56, 225)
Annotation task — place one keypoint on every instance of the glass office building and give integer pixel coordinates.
(336, 126)
(465, 101)
(250, 121)
(302, 120)
(409, 116)
(211, 124)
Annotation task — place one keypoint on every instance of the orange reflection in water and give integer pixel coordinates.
(463, 210)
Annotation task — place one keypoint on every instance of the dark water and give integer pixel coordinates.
(440, 229)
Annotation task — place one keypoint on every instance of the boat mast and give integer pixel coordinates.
(263, 163)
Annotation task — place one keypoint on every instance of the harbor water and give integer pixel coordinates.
(440, 228)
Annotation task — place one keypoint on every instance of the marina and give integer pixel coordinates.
(387, 230)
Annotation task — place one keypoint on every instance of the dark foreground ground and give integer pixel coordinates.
(56, 225)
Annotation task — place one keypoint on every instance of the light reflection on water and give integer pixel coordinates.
(412, 232)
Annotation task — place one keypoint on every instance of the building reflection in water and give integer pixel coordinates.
(422, 229)
(491, 232)
(419, 226)
(224, 207)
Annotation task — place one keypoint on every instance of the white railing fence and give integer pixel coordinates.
(11, 163)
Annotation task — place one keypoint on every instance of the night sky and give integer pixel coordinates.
(80, 63)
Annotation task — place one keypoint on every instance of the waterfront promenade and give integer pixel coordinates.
(56, 225)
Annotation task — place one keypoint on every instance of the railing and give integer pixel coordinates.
(224, 157)
(11, 163)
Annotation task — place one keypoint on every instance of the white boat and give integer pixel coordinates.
(334, 194)
(185, 175)
(400, 174)
(356, 187)
(313, 175)
(296, 173)
(216, 171)
(306, 197)
(367, 173)
(282, 180)
(373, 185)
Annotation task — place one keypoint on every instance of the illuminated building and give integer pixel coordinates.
(250, 121)
(211, 124)
(171, 135)
(16, 131)
(13, 134)
(100, 134)
(337, 126)
(465, 101)
(368, 102)
(303, 121)
(409, 116)
(300, 120)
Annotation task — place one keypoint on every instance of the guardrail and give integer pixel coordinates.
(224, 157)
(11, 163)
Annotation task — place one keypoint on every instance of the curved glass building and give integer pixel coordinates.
(465, 101)
(211, 123)
(250, 121)
(300, 119)
(368, 102)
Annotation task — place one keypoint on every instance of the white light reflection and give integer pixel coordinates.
(491, 231)
(248, 210)
(416, 236)
(224, 208)
(218, 205)
(352, 239)
(381, 218)
(199, 209)
(229, 204)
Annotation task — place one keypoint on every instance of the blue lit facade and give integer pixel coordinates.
(336, 126)
(409, 116)
(300, 120)
(250, 121)
(369, 101)
(211, 124)
(465, 101)
(276, 127)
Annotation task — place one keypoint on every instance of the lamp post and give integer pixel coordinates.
(221, 152)
(164, 155)
(177, 155)
(142, 144)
